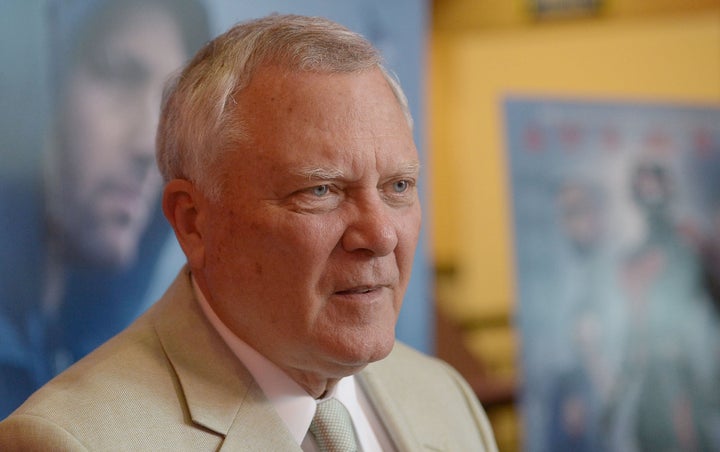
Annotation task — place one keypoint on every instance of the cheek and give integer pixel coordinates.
(301, 236)
(85, 160)
(274, 246)
(223, 240)
(409, 234)
(97, 118)
(409, 228)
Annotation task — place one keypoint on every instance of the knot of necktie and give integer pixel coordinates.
(332, 427)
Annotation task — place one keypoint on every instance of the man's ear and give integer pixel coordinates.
(184, 207)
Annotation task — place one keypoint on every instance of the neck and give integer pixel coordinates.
(314, 385)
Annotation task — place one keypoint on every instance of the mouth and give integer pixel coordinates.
(362, 290)
(358, 290)
(121, 204)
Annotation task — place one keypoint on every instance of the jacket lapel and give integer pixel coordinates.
(219, 392)
(257, 427)
(377, 384)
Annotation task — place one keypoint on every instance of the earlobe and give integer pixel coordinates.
(183, 207)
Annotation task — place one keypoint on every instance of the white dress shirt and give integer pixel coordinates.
(293, 404)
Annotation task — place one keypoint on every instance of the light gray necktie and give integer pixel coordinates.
(332, 427)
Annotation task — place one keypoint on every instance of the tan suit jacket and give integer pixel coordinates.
(169, 382)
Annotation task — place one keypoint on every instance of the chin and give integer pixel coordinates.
(111, 255)
(363, 351)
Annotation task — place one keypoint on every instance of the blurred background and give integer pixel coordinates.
(581, 318)
(570, 260)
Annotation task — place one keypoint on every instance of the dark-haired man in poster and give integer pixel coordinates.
(82, 241)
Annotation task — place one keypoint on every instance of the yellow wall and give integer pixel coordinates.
(666, 58)
(482, 50)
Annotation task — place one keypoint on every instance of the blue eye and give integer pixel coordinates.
(401, 186)
(321, 190)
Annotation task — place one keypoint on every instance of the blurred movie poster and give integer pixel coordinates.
(617, 248)
(85, 248)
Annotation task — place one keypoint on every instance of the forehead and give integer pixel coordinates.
(298, 116)
(147, 32)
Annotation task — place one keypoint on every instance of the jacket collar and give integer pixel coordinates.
(379, 382)
(219, 392)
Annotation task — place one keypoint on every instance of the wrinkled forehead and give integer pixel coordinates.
(342, 124)
(322, 106)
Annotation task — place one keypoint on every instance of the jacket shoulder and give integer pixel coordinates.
(25, 432)
(126, 394)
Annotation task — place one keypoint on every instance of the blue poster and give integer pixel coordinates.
(616, 215)
(84, 246)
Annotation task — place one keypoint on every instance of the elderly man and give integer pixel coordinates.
(291, 178)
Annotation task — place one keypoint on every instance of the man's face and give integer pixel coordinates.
(108, 182)
(651, 186)
(308, 255)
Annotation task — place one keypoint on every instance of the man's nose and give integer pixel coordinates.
(371, 229)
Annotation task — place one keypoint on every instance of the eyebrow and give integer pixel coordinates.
(315, 173)
(318, 173)
(410, 168)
